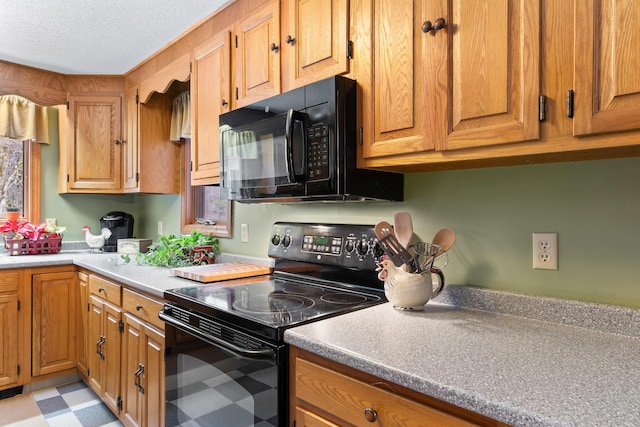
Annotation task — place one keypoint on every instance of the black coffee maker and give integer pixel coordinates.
(121, 226)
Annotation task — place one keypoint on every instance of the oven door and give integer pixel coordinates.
(264, 158)
(222, 376)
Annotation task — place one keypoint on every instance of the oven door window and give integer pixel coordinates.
(209, 385)
(257, 156)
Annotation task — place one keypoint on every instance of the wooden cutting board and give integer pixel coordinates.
(223, 271)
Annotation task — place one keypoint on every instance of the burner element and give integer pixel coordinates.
(343, 298)
(275, 303)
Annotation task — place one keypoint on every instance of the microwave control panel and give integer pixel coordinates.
(318, 157)
(344, 245)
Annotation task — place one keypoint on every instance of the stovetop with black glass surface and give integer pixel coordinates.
(320, 271)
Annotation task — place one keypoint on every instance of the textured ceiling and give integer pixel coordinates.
(94, 37)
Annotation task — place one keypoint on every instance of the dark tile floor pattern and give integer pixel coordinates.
(74, 405)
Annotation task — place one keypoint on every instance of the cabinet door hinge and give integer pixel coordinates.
(236, 93)
(236, 41)
(68, 105)
(18, 369)
(67, 177)
(89, 372)
(349, 49)
(18, 305)
(121, 326)
(191, 165)
(89, 307)
(137, 99)
(361, 136)
(137, 176)
(119, 403)
(570, 103)
(542, 108)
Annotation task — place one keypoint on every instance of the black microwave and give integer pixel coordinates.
(299, 146)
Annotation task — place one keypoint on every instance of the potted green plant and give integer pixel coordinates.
(184, 250)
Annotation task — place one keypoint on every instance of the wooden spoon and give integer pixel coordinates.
(403, 226)
(445, 238)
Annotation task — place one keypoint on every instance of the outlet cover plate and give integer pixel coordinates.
(545, 251)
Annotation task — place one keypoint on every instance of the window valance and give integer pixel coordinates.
(23, 120)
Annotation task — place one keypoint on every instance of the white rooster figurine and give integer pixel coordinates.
(95, 242)
(404, 290)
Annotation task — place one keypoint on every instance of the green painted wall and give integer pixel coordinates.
(594, 206)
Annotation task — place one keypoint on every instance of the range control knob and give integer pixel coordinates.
(286, 241)
(362, 247)
(275, 239)
(349, 246)
(377, 250)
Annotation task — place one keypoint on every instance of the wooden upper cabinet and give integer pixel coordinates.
(130, 164)
(607, 87)
(314, 41)
(483, 80)
(210, 97)
(391, 76)
(257, 58)
(472, 83)
(92, 148)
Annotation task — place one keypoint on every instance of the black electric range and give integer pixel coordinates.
(320, 271)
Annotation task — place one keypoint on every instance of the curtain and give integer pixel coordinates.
(23, 120)
(181, 117)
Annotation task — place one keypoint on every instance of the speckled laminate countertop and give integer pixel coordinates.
(526, 361)
(518, 370)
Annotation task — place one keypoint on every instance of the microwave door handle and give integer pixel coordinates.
(292, 117)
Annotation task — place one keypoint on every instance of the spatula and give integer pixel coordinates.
(403, 226)
(392, 247)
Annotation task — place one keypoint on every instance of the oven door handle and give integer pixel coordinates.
(265, 353)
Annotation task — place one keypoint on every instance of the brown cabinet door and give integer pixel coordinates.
(152, 377)
(314, 41)
(607, 88)
(111, 361)
(54, 322)
(95, 352)
(391, 76)
(94, 156)
(82, 323)
(210, 97)
(131, 165)
(8, 339)
(483, 77)
(257, 59)
(132, 340)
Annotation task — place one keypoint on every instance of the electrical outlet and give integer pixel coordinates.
(159, 228)
(244, 233)
(545, 251)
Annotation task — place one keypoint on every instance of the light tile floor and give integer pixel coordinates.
(71, 405)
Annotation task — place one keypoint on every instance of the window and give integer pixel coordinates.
(202, 208)
(20, 178)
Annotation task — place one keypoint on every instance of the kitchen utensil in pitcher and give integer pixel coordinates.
(425, 254)
(403, 226)
(445, 238)
(392, 247)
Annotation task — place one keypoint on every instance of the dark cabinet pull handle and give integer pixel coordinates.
(116, 142)
(139, 307)
(224, 103)
(100, 289)
(99, 346)
(370, 415)
(273, 48)
(290, 40)
(439, 24)
(435, 27)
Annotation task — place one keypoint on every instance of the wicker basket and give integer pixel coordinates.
(50, 245)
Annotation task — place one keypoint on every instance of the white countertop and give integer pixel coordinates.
(520, 371)
(526, 361)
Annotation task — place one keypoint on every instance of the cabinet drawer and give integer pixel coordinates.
(9, 281)
(348, 399)
(142, 307)
(105, 289)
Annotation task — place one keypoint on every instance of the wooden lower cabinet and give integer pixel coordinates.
(53, 336)
(142, 363)
(11, 320)
(104, 336)
(325, 393)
